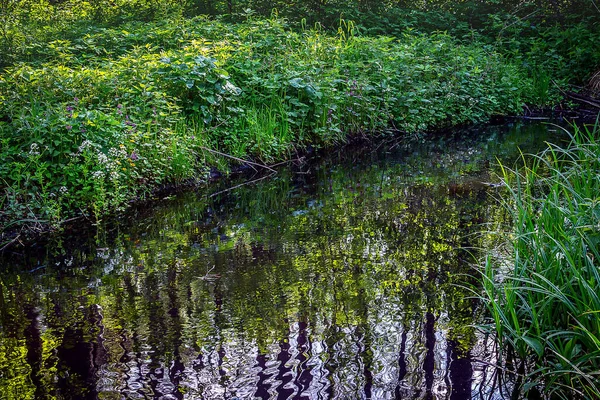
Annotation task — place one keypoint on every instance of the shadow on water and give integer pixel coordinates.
(339, 278)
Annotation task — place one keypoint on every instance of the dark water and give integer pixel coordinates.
(339, 278)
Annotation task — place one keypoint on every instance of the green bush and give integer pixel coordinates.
(96, 136)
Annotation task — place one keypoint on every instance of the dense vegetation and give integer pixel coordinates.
(545, 303)
(102, 101)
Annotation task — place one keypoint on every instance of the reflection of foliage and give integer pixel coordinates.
(15, 370)
(14, 366)
(361, 250)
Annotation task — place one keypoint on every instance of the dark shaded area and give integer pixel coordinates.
(461, 372)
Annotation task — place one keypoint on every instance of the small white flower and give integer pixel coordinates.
(34, 149)
(63, 190)
(98, 174)
(117, 153)
(102, 159)
(84, 145)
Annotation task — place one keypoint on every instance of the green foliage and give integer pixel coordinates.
(545, 306)
(159, 87)
(97, 119)
(96, 136)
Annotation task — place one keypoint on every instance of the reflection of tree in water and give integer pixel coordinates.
(325, 314)
(342, 285)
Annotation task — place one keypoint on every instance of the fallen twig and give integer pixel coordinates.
(238, 159)
(10, 243)
(65, 221)
(583, 99)
(242, 184)
(300, 159)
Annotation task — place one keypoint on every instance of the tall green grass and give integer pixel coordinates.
(545, 302)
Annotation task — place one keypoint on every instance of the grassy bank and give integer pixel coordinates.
(545, 302)
(90, 122)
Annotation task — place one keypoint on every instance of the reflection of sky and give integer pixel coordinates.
(362, 360)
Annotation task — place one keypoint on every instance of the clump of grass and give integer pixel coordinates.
(545, 308)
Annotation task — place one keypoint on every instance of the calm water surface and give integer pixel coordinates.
(338, 278)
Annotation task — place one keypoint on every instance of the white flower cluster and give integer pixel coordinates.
(102, 158)
(113, 163)
(109, 164)
(98, 175)
(34, 149)
(86, 144)
(117, 153)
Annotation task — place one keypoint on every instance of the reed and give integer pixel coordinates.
(545, 308)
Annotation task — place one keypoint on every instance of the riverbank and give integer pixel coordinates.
(112, 114)
(109, 113)
(37, 232)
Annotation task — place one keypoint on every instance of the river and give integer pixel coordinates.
(345, 276)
